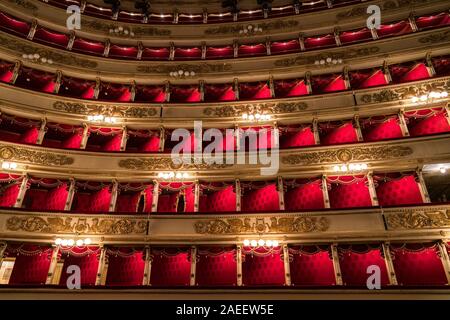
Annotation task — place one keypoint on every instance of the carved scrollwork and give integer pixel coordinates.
(298, 224)
(272, 108)
(197, 68)
(269, 26)
(436, 37)
(25, 4)
(138, 31)
(418, 219)
(33, 156)
(345, 155)
(76, 225)
(106, 110)
(166, 163)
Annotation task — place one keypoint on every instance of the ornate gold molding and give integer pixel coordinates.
(238, 110)
(197, 68)
(406, 92)
(418, 219)
(346, 155)
(24, 4)
(20, 47)
(37, 157)
(259, 225)
(266, 26)
(167, 163)
(138, 31)
(106, 110)
(77, 225)
(437, 37)
(344, 55)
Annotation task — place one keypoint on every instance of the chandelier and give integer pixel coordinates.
(9, 165)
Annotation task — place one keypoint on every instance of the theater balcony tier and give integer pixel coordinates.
(314, 23)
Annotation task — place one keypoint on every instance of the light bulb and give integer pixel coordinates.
(423, 98)
(328, 59)
(357, 167)
(180, 72)
(442, 170)
(335, 61)
(415, 99)
(336, 168)
(171, 174)
(322, 61)
(120, 28)
(317, 62)
(186, 73)
(192, 73)
(79, 242)
(339, 60)
(87, 241)
(257, 116)
(64, 242)
(261, 242)
(351, 167)
(185, 175)
(179, 175)
(251, 117)
(275, 243)
(269, 243)
(253, 243)
(13, 165)
(364, 166)
(24, 56)
(246, 242)
(70, 242)
(344, 168)
(244, 116)
(58, 241)
(160, 175)
(444, 94)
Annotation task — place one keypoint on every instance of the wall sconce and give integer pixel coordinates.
(260, 243)
(173, 175)
(101, 118)
(182, 74)
(72, 242)
(351, 167)
(250, 30)
(430, 97)
(9, 165)
(257, 117)
(36, 57)
(121, 31)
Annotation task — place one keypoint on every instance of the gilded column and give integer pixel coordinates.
(22, 190)
(162, 138)
(140, 50)
(280, 188)
(358, 130)
(301, 42)
(203, 50)
(447, 113)
(124, 139)
(175, 16)
(239, 265)
(17, 67)
(308, 82)
(315, 125)
(53, 263)
(336, 37)
(201, 85)
(412, 22)
(3, 246)
(147, 267)
(155, 196)
(57, 81)
(70, 195)
(193, 264)
(238, 194)
(133, 91)
(271, 87)
(167, 91)
(42, 131)
(346, 78)
(372, 190)
(172, 51)
(107, 47)
(236, 88)
(374, 33)
(326, 198)
(205, 15)
(32, 31)
(114, 193)
(101, 266)
(443, 254)
(268, 48)
(430, 65)
(336, 265)
(196, 196)
(235, 49)
(287, 267)
(85, 137)
(387, 72)
(71, 40)
(98, 83)
(389, 265)
(422, 186)
(402, 123)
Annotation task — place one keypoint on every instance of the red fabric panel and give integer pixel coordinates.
(441, 65)
(115, 92)
(389, 129)
(249, 91)
(219, 52)
(127, 202)
(73, 142)
(155, 54)
(306, 197)
(174, 270)
(345, 133)
(188, 53)
(418, 267)
(219, 201)
(287, 88)
(30, 136)
(146, 93)
(367, 78)
(216, 270)
(51, 37)
(438, 20)
(263, 270)
(349, 195)
(354, 266)
(355, 36)
(285, 47)
(123, 52)
(113, 144)
(320, 41)
(31, 269)
(313, 268)
(409, 72)
(88, 265)
(9, 195)
(264, 199)
(222, 92)
(399, 192)
(437, 123)
(185, 94)
(251, 50)
(125, 271)
(168, 202)
(328, 83)
(301, 138)
(98, 201)
(51, 199)
(77, 88)
(394, 29)
(10, 24)
(6, 73)
(91, 47)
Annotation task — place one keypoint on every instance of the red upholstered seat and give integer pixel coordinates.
(355, 260)
(262, 266)
(122, 52)
(441, 65)
(50, 37)
(418, 264)
(90, 47)
(216, 266)
(219, 92)
(155, 54)
(368, 78)
(407, 72)
(290, 88)
(219, 52)
(77, 88)
(353, 36)
(125, 267)
(284, 47)
(147, 93)
(328, 83)
(433, 21)
(348, 192)
(12, 25)
(35, 80)
(170, 267)
(254, 91)
(6, 71)
(311, 266)
(182, 53)
(327, 40)
(114, 92)
(19, 130)
(185, 93)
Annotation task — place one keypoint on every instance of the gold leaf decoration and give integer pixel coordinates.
(436, 37)
(77, 225)
(166, 163)
(106, 110)
(238, 110)
(197, 68)
(345, 155)
(138, 31)
(24, 4)
(266, 26)
(418, 219)
(33, 156)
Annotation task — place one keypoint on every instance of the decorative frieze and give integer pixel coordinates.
(346, 155)
(197, 68)
(106, 110)
(166, 163)
(27, 5)
(277, 25)
(104, 27)
(33, 156)
(302, 224)
(262, 108)
(437, 37)
(100, 226)
(418, 219)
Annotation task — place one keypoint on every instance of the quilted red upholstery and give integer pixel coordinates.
(389, 129)
(30, 136)
(98, 201)
(354, 266)
(342, 134)
(127, 202)
(437, 123)
(418, 267)
(218, 201)
(31, 268)
(350, 195)
(170, 270)
(88, 267)
(304, 137)
(51, 199)
(216, 270)
(125, 271)
(9, 195)
(263, 270)
(264, 199)
(306, 197)
(399, 192)
(311, 267)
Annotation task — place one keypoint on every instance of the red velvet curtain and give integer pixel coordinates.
(185, 93)
(9, 189)
(409, 72)
(170, 267)
(169, 200)
(417, 264)
(257, 197)
(47, 199)
(294, 137)
(262, 266)
(130, 196)
(31, 265)
(337, 132)
(86, 258)
(216, 266)
(349, 192)
(303, 194)
(92, 197)
(354, 261)
(381, 128)
(217, 198)
(255, 138)
(290, 88)
(328, 83)
(125, 267)
(258, 90)
(368, 78)
(311, 265)
(427, 121)
(397, 189)
(219, 92)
